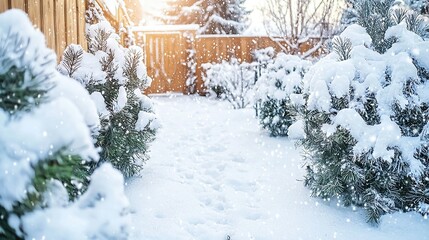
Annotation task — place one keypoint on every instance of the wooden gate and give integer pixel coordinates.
(165, 61)
(166, 55)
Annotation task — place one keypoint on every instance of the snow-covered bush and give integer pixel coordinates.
(232, 81)
(279, 93)
(366, 117)
(115, 77)
(263, 57)
(45, 142)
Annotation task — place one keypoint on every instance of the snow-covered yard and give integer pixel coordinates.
(213, 174)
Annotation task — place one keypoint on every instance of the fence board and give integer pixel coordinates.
(71, 22)
(34, 12)
(62, 21)
(4, 5)
(18, 4)
(81, 23)
(60, 26)
(48, 26)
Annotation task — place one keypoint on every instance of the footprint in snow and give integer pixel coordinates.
(242, 186)
(216, 148)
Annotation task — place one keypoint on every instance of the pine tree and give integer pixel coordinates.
(28, 81)
(182, 12)
(223, 17)
(213, 16)
(128, 125)
(366, 143)
(420, 6)
(278, 91)
(350, 13)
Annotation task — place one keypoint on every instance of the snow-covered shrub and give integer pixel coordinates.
(366, 119)
(115, 77)
(231, 80)
(263, 57)
(45, 141)
(279, 93)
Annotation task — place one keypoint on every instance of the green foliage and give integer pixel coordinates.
(74, 58)
(374, 16)
(21, 88)
(278, 91)
(335, 171)
(120, 142)
(24, 84)
(71, 170)
(277, 116)
(377, 16)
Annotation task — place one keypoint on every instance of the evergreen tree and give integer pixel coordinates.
(213, 16)
(43, 163)
(420, 6)
(278, 93)
(114, 79)
(350, 13)
(182, 12)
(223, 17)
(366, 120)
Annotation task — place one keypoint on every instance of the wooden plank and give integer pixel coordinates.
(246, 49)
(198, 48)
(81, 24)
(48, 26)
(4, 5)
(34, 12)
(71, 21)
(18, 4)
(60, 26)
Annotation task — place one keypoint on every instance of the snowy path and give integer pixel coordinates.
(214, 174)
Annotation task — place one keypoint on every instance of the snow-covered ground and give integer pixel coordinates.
(213, 173)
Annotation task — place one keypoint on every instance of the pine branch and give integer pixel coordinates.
(72, 59)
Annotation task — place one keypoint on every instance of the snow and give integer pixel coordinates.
(281, 78)
(213, 173)
(49, 127)
(357, 35)
(100, 213)
(121, 101)
(29, 55)
(73, 91)
(31, 138)
(145, 120)
(89, 68)
(100, 103)
(296, 130)
(234, 79)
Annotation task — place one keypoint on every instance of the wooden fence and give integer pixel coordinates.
(63, 21)
(216, 48)
(166, 52)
